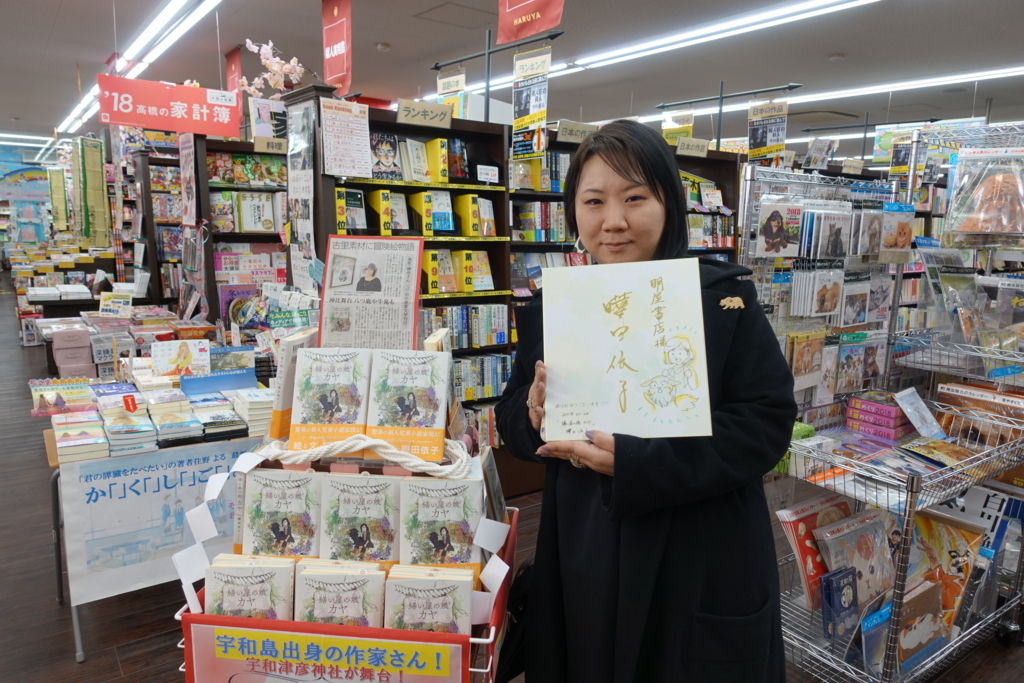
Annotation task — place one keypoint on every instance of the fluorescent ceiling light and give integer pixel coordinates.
(180, 30)
(907, 85)
(150, 32)
(136, 70)
(22, 144)
(756, 22)
(25, 137)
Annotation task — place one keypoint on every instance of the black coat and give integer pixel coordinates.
(666, 571)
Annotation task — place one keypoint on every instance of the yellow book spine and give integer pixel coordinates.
(430, 269)
(341, 226)
(468, 211)
(437, 160)
(380, 201)
(463, 270)
(421, 206)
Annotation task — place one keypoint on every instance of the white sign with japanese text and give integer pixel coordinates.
(624, 349)
(124, 517)
(424, 113)
(346, 138)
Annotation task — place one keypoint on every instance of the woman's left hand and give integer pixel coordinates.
(598, 455)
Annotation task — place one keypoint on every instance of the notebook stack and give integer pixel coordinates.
(206, 403)
(255, 406)
(80, 443)
(130, 435)
(222, 425)
(347, 593)
(177, 429)
(163, 401)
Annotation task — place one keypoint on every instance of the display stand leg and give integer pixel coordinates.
(55, 529)
(889, 667)
(77, 628)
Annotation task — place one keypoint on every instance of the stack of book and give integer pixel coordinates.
(423, 598)
(162, 401)
(74, 292)
(346, 593)
(265, 368)
(130, 435)
(113, 405)
(254, 586)
(88, 418)
(177, 429)
(207, 403)
(44, 293)
(76, 443)
(222, 425)
(255, 406)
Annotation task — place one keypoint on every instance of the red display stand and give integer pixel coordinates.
(221, 649)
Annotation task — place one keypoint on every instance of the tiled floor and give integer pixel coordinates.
(132, 638)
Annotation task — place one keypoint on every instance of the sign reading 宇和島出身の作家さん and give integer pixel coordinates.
(624, 348)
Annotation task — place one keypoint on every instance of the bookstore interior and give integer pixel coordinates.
(266, 274)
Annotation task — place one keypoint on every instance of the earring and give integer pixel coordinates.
(578, 247)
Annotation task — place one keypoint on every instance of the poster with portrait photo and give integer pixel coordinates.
(371, 293)
(187, 151)
(766, 137)
(301, 129)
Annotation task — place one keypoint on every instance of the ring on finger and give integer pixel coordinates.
(575, 460)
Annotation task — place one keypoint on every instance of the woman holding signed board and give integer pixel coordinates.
(655, 556)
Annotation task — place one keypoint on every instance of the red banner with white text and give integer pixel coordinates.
(518, 19)
(233, 62)
(337, 21)
(164, 106)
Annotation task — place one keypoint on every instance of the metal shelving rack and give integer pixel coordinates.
(805, 645)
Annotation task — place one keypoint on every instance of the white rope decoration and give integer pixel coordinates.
(336, 588)
(410, 592)
(235, 579)
(455, 450)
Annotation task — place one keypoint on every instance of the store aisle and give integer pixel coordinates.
(133, 638)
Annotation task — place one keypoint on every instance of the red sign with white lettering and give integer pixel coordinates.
(518, 19)
(337, 19)
(129, 403)
(164, 106)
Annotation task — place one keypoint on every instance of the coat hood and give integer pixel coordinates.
(713, 271)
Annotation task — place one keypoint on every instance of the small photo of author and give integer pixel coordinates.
(369, 282)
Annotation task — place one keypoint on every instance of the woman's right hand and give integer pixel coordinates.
(538, 392)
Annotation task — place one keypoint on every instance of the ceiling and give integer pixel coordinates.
(43, 42)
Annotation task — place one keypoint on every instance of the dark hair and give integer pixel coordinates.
(638, 154)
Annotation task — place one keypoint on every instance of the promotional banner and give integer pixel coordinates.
(521, 18)
(677, 125)
(766, 129)
(233, 69)
(337, 21)
(888, 135)
(530, 103)
(164, 106)
(124, 517)
(187, 152)
(299, 651)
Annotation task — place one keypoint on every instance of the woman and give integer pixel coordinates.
(181, 361)
(655, 557)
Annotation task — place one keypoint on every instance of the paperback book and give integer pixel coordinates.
(360, 518)
(438, 520)
(282, 513)
(408, 405)
(331, 396)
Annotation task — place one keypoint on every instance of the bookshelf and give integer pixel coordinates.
(141, 161)
(204, 146)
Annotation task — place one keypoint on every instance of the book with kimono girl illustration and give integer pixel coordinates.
(360, 518)
(282, 513)
(331, 394)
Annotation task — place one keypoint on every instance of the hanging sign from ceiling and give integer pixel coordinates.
(165, 106)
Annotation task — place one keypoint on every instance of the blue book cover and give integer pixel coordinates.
(839, 603)
(874, 631)
(114, 389)
(244, 378)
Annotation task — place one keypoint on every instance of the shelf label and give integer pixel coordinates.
(487, 174)
(425, 113)
(270, 145)
(574, 131)
(451, 81)
(692, 147)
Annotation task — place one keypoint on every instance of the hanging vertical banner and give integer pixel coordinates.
(521, 18)
(530, 103)
(58, 199)
(302, 120)
(337, 21)
(766, 129)
(677, 124)
(233, 69)
(187, 155)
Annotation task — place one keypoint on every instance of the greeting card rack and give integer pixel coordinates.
(884, 488)
(474, 650)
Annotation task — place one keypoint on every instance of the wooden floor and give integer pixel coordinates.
(132, 638)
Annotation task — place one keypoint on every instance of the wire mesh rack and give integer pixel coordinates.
(934, 350)
(808, 648)
(886, 488)
(978, 136)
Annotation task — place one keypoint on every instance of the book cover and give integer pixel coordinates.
(360, 518)
(799, 524)
(938, 451)
(331, 394)
(859, 542)
(442, 214)
(643, 325)
(233, 298)
(55, 396)
(399, 213)
(282, 513)
(408, 401)
(250, 590)
(339, 597)
(79, 437)
(446, 282)
(839, 604)
(458, 160)
(128, 424)
(438, 520)
(225, 358)
(428, 604)
(174, 358)
(487, 225)
(418, 158)
(874, 632)
(284, 387)
(170, 425)
(355, 212)
(921, 628)
(482, 280)
(384, 151)
(254, 212)
(779, 228)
